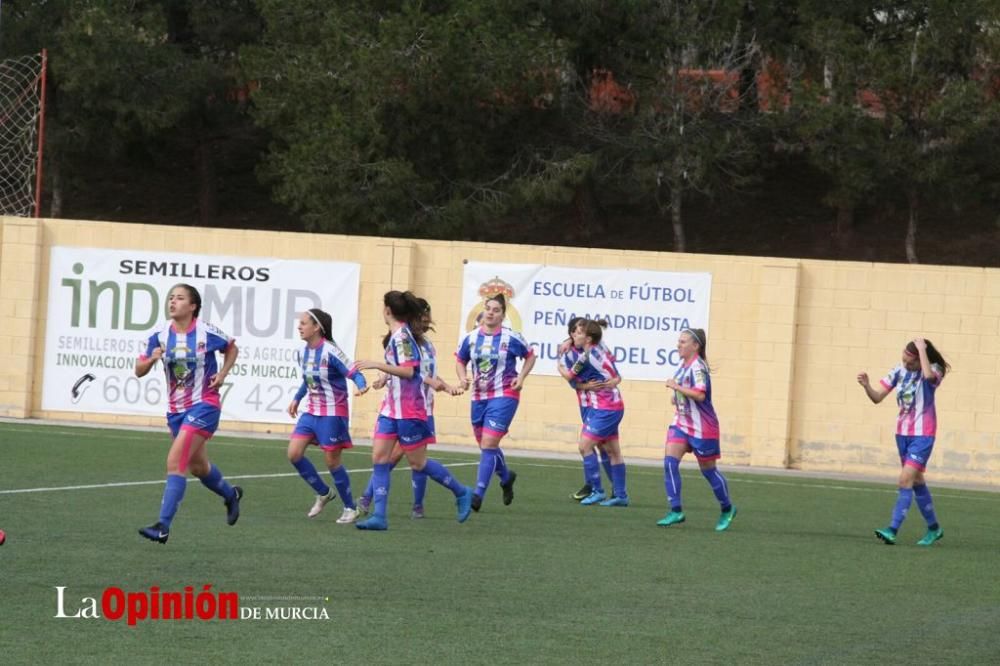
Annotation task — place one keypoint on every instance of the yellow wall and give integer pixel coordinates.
(787, 338)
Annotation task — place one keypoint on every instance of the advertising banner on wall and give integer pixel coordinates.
(645, 310)
(104, 304)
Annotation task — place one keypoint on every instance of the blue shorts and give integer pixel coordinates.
(329, 432)
(703, 449)
(493, 416)
(915, 451)
(602, 424)
(411, 433)
(201, 418)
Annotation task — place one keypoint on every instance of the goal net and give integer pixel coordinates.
(21, 84)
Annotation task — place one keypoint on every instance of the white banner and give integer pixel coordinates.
(104, 305)
(645, 310)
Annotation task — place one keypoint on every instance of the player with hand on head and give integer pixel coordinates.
(915, 378)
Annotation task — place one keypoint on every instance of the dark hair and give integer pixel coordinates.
(425, 311)
(593, 328)
(324, 320)
(933, 355)
(405, 308)
(193, 296)
(699, 336)
(573, 322)
(499, 298)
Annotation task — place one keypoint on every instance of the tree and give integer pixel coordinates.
(908, 86)
(688, 128)
(417, 118)
(130, 79)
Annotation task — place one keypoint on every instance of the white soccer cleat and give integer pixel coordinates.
(320, 503)
(348, 516)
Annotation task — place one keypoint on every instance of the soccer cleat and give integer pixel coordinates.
(374, 522)
(464, 504)
(887, 535)
(364, 505)
(931, 536)
(347, 516)
(725, 520)
(321, 501)
(508, 489)
(155, 532)
(582, 493)
(477, 502)
(672, 518)
(233, 506)
(417, 512)
(593, 498)
(616, 501)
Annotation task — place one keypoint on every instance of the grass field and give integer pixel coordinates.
(799, 578)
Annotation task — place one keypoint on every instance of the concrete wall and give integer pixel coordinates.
(787, 340)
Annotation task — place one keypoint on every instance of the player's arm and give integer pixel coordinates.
(875, 393)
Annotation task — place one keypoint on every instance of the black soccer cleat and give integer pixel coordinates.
(582, 493)
(508, 488)
(477, 501)
(155, 532)
(233, 506)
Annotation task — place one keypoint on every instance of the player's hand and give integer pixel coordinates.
(466, 383)
(517, 384)
(367, 365)
(565, 345)
(380, 381)
(920, 343)
(672, 384)
(216, 381)
(863, 378)
(361, 391)
(293, 408)
(156, 355)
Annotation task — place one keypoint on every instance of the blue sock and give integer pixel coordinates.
(618, 479)
(719, 486)
(342, 480)
(487, 465)
(606, 464)
(370, 488)
(592, 469)
(502, 470)
(214, 482)
(380, 483)
(672, 481)
(926, 505)
(419, 487)
(172, 496)
(902, 507)
(440, 473)
(308, 472)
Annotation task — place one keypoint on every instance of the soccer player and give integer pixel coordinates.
(590, 367)
(916, 379)
(493, 350)
(431, 383)
(564, 347)
(695, 428)
(187, 348)
(324, 421)
(403, 416)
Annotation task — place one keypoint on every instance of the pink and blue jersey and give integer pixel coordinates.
(598, 365)
(915, 397)
(404, 398)
(694, 418)
(428, 369)
(494, 361)
(325, 371)
(189, 361)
